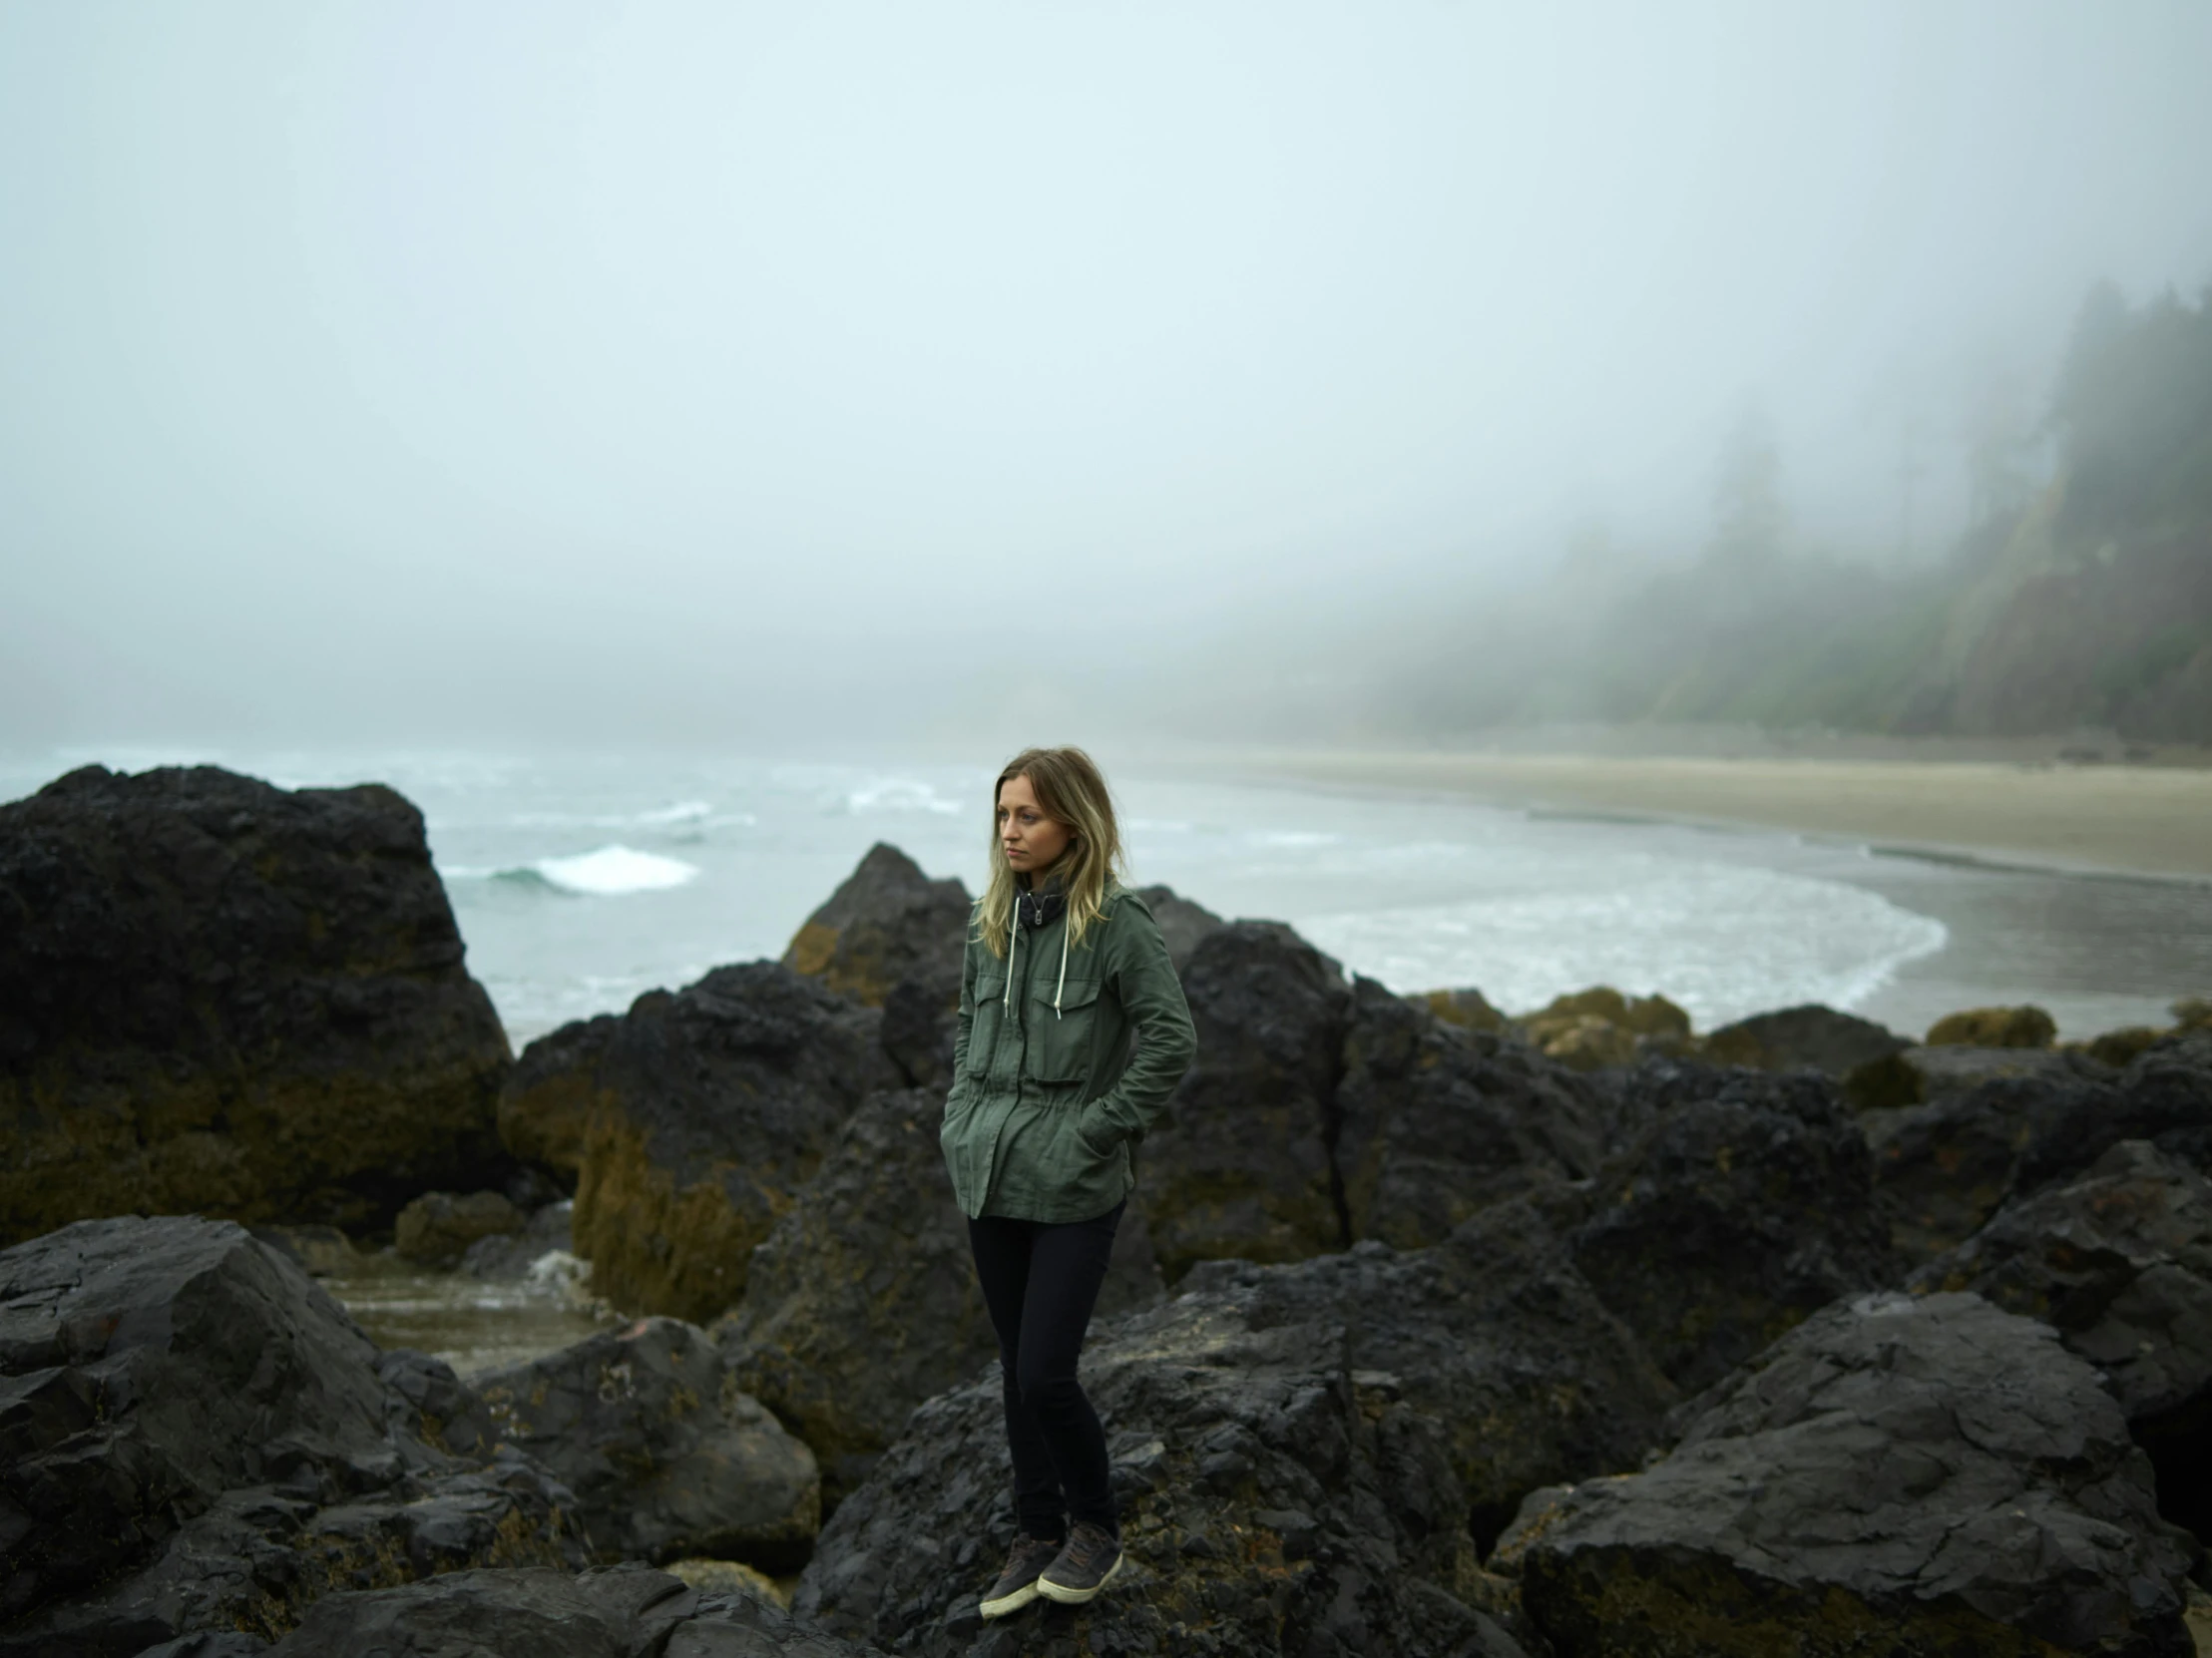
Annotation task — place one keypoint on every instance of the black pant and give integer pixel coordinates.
(1040, 1281)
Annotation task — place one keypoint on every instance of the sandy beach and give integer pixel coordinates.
(2141, 820)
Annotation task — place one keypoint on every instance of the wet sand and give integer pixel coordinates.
(2142, 820)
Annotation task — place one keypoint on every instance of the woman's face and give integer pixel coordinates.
(1031, 841)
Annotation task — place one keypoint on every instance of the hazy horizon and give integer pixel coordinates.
(558, 371)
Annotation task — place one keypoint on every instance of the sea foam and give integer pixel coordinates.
(613, 871)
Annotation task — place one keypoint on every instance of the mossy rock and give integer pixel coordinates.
(2025, 1027)
(1469, 1009)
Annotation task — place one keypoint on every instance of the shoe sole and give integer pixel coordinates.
(1075, 1597)
(1008, 1603)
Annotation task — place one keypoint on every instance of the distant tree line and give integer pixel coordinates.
(2084, 602)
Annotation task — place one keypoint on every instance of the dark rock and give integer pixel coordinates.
(1919, 1075)
(153, 1365)
(1746, 1206)
(2165, 1096)
(550, 1094)
(622, 1612)
(1944, 1168)
(888, 924)
(1183, 925)
(437, 1229)
(1436, 1123)
(197, 1437)
(701, 1112)
(513, 1255)
(1995, 1027)
(666, 1455)
(1468, 1008)
(1240, 1164)
(862, 1302)
(1896, 1476)
(210, 1644)
(1493, 1335)
(1812, 1036)
(1214, 1425)
(235, 999)
(2119, 1261)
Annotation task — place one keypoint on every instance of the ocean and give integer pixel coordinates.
(580, 881)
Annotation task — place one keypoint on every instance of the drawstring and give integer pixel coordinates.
(1061, 988)
(1013, 938)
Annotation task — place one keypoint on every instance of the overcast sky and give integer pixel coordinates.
(414, 368)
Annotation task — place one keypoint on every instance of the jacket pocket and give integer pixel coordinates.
(1058, 1045)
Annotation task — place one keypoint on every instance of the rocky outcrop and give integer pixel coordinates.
(1275, 1498)
(888, 924)
(622, 1612)
(1240, 1164)
(1436, 1123)
(1599, 1028)
(438, 1228)
(1491, 1335)
(1993, 1028)
(862, 1302)
(224, 997)
(1945, 1168)
(1183, 925)
(2165, 1096)
(1468, 1008)
(2119, 1261)
(198, 1438)
(892, 938)
(1810, 1037)
(1899, 1475)
(665, 1452)
(696, 1116)
(1746, 1206)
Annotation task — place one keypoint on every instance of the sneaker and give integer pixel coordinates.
(1017, 1584)
(1085, 1566)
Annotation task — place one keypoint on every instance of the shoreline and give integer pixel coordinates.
(2133, 821)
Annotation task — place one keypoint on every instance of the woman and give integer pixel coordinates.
(1064, 968)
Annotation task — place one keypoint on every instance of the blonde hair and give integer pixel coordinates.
(1071, 792)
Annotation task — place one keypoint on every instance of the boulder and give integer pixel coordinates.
(626, 1611)
(1812, 1036)
(1944, 1168)
(1436, 1123)
(1995, 1027)
(1921, 1075)
(224, 997)
(200, 1439)
(862, 1302)
(1493, 1335)
(1746, 1206)
(2165, 1096)
(1469, 1009)
(437, 1228)
(1896, 1476)
(1597, 1029)
(510, 1256)
(701, 1112)
(2119, 1261)
(1183, 925)
(887, 925)
(1240, 1165)
(1274, 1499)
(666, 1455)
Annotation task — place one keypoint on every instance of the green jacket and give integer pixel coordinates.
(1046, 1106)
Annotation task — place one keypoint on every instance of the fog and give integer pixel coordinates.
(742, 372)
